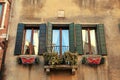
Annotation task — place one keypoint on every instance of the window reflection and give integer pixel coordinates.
(89, 41)
(60, 42)
(0, 10)
(31, 41)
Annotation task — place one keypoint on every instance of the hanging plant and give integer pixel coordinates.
(93, 59)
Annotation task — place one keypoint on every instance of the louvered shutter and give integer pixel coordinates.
(42, 38)
(19, 39)
(101, 40)
(79, 43)
(49, 37)
(71, 38)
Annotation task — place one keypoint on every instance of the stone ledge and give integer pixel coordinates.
(73, 68)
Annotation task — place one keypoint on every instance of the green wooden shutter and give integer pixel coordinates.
(71, 38)
(42, 38)
(19, 39)
(79, 43)
(49, 37)
(101, 39)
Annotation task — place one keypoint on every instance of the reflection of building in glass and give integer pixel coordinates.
(89, 43)
(32, 37)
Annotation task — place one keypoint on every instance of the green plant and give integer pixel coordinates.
(37, 61)
(70, 58)
(19, 61)
(51, 58)
(54, 59)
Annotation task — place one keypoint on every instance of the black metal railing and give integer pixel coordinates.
(58, 49)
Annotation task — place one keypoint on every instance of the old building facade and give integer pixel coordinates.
(88, 27)
(4, 17)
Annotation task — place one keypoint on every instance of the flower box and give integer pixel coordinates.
(93, 59)
(54, 61)
(27, 59)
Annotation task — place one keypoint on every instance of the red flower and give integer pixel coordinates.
(28, 60)
(93, 60)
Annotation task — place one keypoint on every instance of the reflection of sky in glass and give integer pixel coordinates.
(28, 35)
(0, 9)
(65, 40)
(35, 39)
(56, 38)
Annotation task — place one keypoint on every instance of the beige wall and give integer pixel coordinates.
(77, 11)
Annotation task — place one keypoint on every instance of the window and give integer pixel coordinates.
(60, 39)
(30, 39)
(1, 12)
(89, 40)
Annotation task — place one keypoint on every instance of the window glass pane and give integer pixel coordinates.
(56, 38)
(0, 10)
(27, 40)
(92, 45)
(85, 41)
(93, 42)
(31, 46)
(28, 35)
(36, 41)
(56, 41)
(65, 41)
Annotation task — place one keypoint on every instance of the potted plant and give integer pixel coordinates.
(51, 58)
(70, 58)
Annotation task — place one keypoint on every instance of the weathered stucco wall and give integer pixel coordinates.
(77, 11)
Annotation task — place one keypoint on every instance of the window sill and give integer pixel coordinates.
(63, 67)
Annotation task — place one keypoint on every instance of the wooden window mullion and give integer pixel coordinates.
(32, 35)
(60, 42)
(89, 41)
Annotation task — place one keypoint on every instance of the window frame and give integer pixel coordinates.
(31, 27)
(2, 14)
(60, 27)
(31, 40)
(100, 35)
(89, 38)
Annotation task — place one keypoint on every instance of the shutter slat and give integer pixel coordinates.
(19, 39)
(42, 38)
(49, 36)
(71, 38)
(79, 44)
(101, 40)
